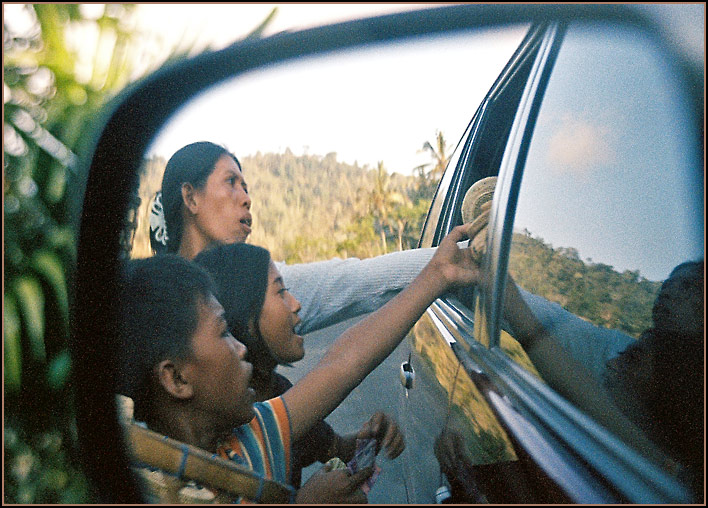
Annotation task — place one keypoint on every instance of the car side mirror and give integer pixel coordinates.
(132, 124)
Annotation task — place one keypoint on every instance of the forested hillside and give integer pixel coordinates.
(312, 207)
(594, 291)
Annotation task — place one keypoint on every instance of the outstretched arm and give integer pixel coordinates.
(335, 290)
(565, 374)
(361, 348)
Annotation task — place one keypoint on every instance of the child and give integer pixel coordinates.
(189, 380)
(242, 274)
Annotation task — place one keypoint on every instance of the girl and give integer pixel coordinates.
(191, 382)
(242, 274)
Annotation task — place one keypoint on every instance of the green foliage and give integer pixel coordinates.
(37, 467)
(12, 349)
(440, 157)
(594, 291)
(54, 89)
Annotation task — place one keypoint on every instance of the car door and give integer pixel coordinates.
(523, 441)
(443, 392)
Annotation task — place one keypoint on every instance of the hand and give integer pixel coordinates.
(334, 487)
(387, 433)
(452, 265)
(451, 451)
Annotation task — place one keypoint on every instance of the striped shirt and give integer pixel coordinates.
(263, 445)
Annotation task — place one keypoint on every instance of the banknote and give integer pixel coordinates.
(365, 456)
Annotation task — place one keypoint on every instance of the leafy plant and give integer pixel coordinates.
(55, 82)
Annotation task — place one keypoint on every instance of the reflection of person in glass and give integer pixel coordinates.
(656, 382)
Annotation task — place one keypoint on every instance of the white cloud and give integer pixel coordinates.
(578, 145)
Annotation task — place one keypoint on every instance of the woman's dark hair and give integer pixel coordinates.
(191, 164)
(159, 305)
(690, 276)
(676, 400)
(240, 273)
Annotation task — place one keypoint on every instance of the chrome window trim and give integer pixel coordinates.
(510, 172)
(437, 319)
(454, 196)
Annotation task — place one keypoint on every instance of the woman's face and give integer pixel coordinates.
(278, 320)
(222, 207)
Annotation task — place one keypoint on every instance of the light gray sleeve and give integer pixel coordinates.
(591, 345)
(338, 289)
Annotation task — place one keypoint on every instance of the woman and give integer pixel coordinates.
(204, 201)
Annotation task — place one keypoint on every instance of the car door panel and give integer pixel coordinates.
(448, 321)
(425, 408)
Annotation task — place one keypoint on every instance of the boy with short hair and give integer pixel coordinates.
(189, 380)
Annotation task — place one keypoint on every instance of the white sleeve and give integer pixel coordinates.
(591, 345)
(338, 289)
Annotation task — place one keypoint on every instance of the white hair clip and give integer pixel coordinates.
(158, 228)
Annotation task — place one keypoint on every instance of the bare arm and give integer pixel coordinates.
(362, 347)
(566, 375)
(335, 290)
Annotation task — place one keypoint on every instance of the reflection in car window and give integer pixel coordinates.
(607, 205)
(604, 210)
(482, 145)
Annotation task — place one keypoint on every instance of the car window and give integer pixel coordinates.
(480, 152)
(433, 218)
(609, 203)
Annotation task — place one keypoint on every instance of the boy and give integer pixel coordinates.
(189, 380)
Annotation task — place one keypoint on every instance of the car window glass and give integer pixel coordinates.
(482, 145)
(489, 138)
(609, 201)
(432, 220)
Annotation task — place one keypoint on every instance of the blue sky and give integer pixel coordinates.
(611, 130)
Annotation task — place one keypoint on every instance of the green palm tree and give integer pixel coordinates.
(381, 202)
(439, 155)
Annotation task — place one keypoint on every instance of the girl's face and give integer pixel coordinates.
(222, 207)
(278, 320)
